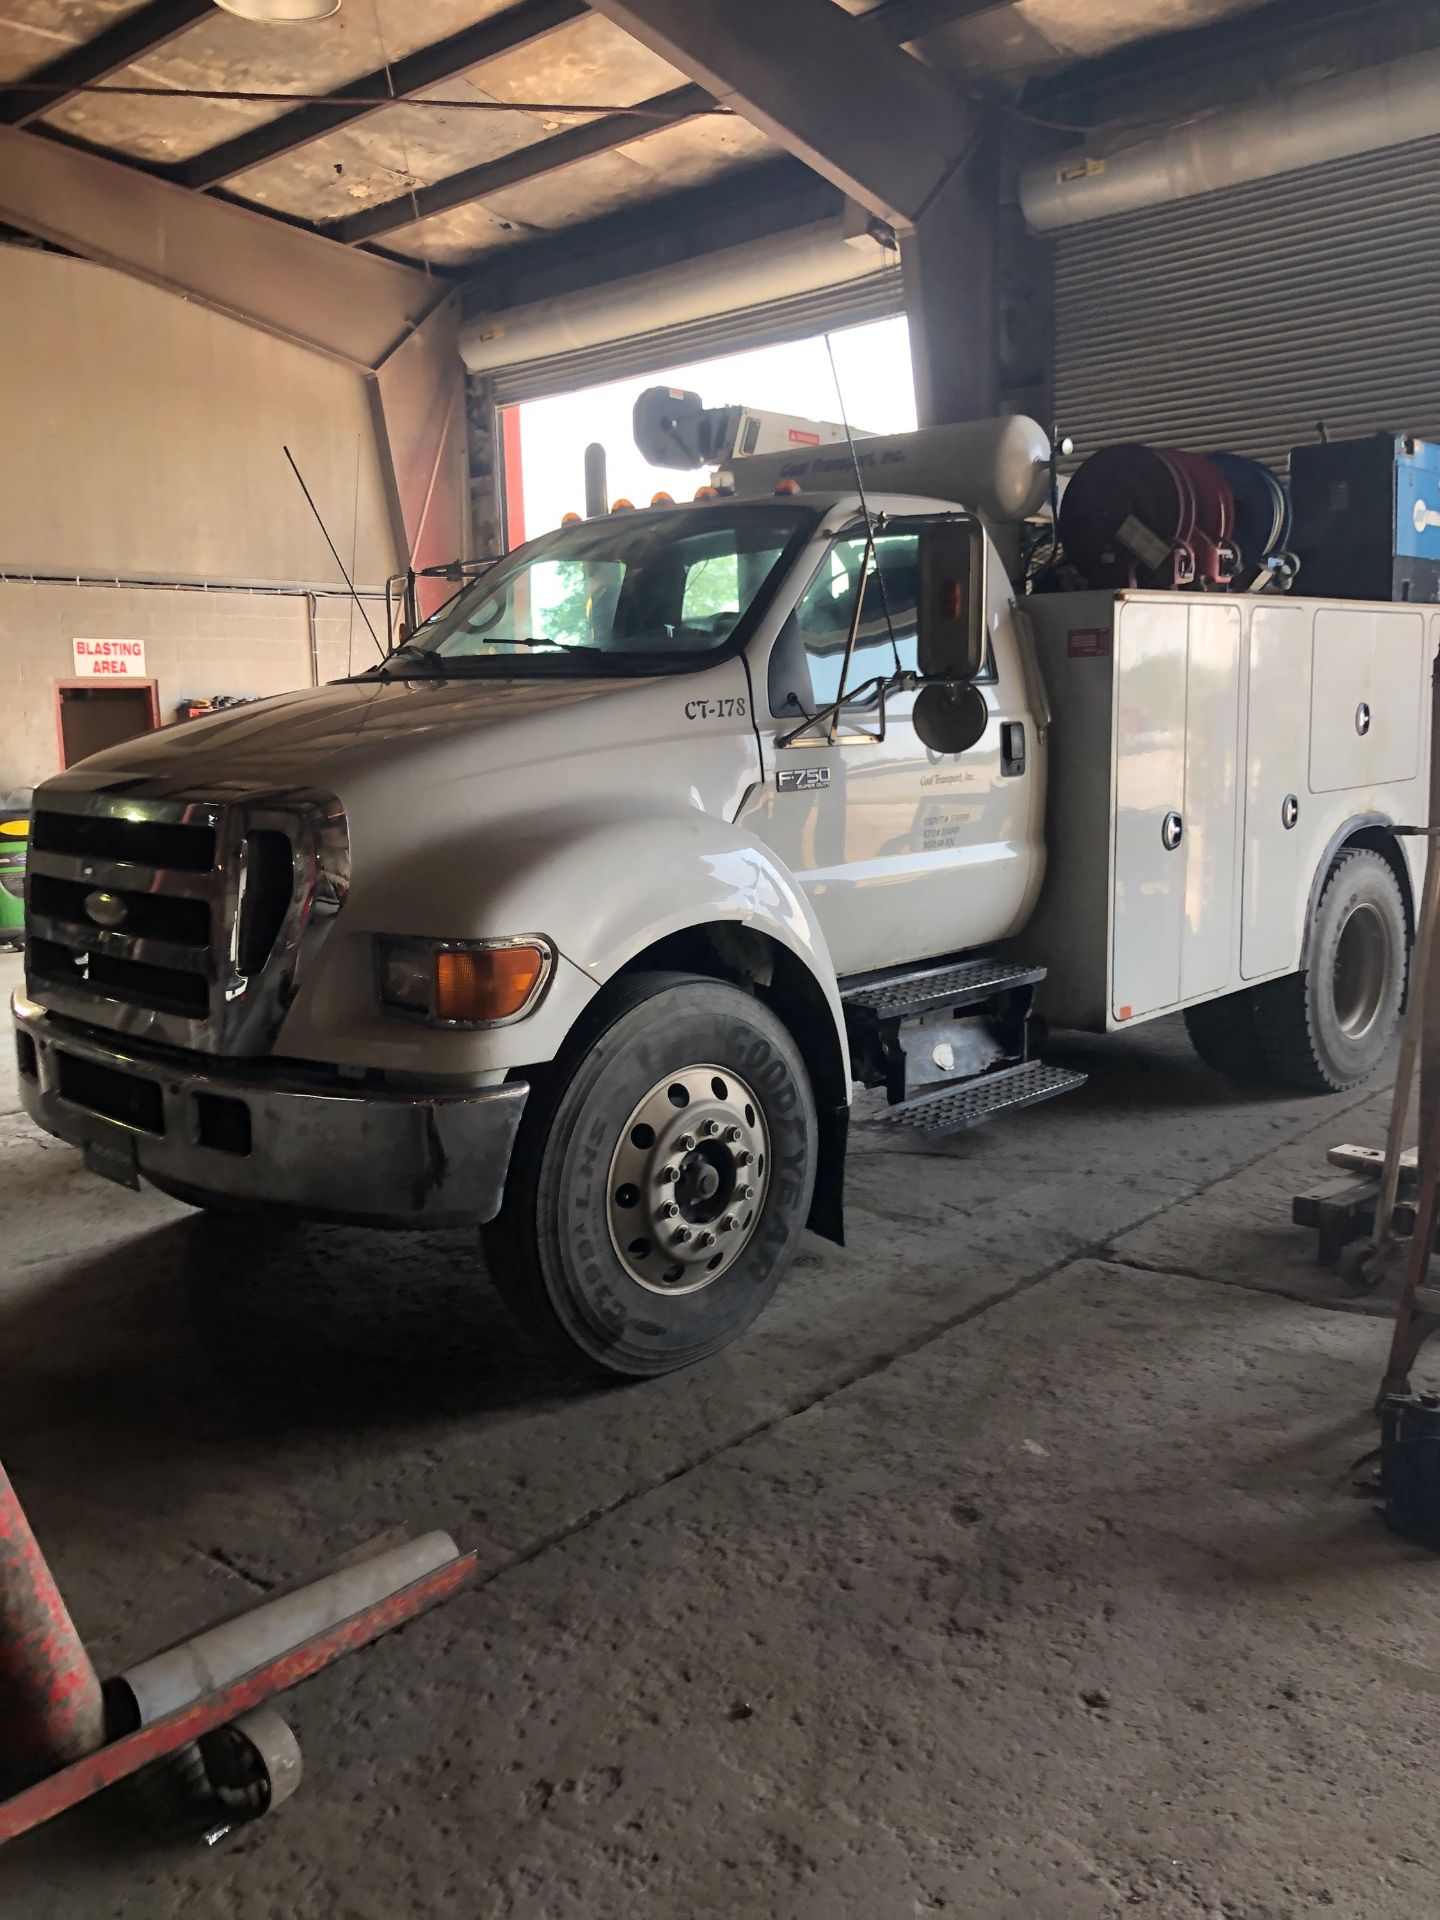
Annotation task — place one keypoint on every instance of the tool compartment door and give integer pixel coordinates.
(1364, 717)
(1212, 751)
(1151, 665)
(1274, 889)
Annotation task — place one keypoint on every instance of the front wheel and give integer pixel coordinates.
(661, 1179)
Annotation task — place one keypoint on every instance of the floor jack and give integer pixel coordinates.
(192, 1719)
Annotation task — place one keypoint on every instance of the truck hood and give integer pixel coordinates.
(320, 735)
(466, 757)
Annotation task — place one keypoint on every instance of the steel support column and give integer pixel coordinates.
(420, 403)
(949, 259)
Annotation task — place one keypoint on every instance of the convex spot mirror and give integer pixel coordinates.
(951, 639)
(949, 718)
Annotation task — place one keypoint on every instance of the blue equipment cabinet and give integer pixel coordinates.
(1367, 518)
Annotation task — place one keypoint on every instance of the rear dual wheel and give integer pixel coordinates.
(662, 1177)
(1326, 1029)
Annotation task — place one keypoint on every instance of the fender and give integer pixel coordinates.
(602, 880)
(672, 871)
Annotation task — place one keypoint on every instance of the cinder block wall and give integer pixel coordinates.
(197, 644)
(145, 496)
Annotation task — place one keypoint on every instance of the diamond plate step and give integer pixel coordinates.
(953, 1109)
(939, 988)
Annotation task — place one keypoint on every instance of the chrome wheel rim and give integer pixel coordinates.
(1362, 971)
(688, 1180)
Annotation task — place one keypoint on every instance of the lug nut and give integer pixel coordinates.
(669, 1175)
(706, 1240)
(710, 1129)
(747, 1193)
(684, 1237)
(669, 1211)
(686, 1143)
(729, 1223)
(733, 1136)
(742, 1159)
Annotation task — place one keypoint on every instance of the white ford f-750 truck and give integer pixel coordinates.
(579, 916)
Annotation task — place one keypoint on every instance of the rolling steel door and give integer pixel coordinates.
(1243, 318)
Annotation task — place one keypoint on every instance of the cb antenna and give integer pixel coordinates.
(869, 527)
(309, 501)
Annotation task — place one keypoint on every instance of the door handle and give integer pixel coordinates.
(1012, 748)
(1172, 832)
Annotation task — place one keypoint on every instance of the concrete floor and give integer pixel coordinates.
(1009, 1566)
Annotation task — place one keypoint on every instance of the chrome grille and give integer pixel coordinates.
(128, 837)
(179, 919)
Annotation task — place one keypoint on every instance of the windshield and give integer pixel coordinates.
(631, 593)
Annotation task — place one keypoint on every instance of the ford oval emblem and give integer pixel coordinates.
(107, 910)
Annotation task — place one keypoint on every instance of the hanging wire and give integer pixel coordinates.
(410, 181)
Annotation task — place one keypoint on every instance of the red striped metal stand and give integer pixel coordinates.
(50, 1705)
(53, 1747)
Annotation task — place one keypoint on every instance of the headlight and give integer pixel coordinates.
(464, 983)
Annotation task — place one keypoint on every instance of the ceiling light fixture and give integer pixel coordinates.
(280, 10)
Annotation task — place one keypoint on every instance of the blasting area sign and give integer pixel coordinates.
(109, 659)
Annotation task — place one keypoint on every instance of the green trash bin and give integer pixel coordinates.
(14, 845)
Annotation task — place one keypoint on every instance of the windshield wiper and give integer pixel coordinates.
(542, 640)
(449, 666)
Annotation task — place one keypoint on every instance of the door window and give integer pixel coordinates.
(889, 576)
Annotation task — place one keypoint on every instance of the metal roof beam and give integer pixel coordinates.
(353, 307)
(429, 67)
(906, 20)
(773, 197)
(829, 86)
(529, 163)
(125, 41)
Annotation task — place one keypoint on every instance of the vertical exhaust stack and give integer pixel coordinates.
(597, 482)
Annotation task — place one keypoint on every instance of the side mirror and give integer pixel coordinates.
(951, 638)
(950, 719)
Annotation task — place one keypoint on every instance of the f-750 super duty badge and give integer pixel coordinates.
(802, 779)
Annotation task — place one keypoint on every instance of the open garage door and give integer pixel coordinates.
(1243, 318)
(790, 287)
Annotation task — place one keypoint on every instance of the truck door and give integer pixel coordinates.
(905, 854)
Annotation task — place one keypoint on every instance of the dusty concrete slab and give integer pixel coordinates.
(809, 1630)
(1238, 1229)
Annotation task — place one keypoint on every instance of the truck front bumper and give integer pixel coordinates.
(374, 1157)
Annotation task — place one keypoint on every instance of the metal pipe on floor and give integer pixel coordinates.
(221, 1654)
(51, 1710)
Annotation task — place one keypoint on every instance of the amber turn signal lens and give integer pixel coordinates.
(485, 983)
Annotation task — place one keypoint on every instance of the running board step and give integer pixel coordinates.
(954, 1108)
(902, 997)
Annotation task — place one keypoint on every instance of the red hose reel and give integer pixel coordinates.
(1137, 516)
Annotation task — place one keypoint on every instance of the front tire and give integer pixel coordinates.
(661, 1179)
(1326, 1030)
